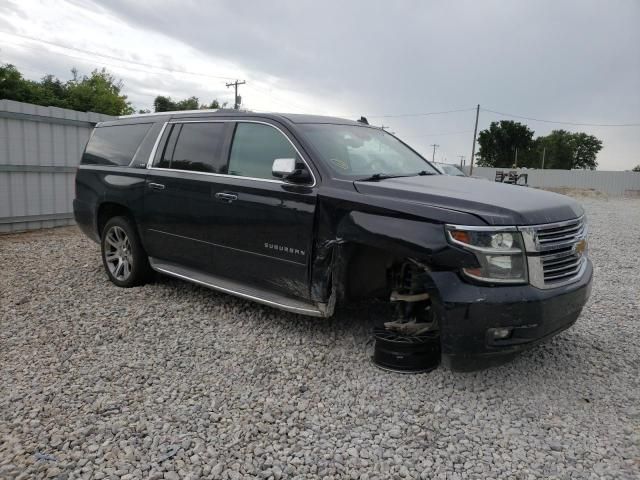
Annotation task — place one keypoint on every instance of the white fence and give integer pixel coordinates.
(615, 184)
(40, 148)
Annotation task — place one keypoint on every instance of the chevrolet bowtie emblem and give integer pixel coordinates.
(581, 247)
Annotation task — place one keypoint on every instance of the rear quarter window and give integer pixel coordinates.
(115, 145)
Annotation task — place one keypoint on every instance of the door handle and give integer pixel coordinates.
(156, 186)
(226, 197)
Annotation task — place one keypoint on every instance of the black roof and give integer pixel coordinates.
(296, 118)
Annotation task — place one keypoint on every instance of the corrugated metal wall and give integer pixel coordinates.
(615, 184)
(40, 148)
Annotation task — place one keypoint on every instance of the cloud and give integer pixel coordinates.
(574, 60)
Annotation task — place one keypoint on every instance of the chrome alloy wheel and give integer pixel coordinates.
(117, 253)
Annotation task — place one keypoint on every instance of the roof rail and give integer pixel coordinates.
(135, 115)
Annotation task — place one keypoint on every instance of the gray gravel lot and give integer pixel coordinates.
(175, 381)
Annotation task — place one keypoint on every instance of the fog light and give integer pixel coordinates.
(500, 333)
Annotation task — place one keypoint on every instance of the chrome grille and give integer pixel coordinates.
(560, 266)
(556, 252)
(555, 236)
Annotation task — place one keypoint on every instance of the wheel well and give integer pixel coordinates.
(370, 272)
(108, 210)
(367, 272)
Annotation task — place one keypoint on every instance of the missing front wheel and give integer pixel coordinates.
(410, 342)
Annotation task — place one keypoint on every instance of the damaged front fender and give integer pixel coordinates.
(402, 237)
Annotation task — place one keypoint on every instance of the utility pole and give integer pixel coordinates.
(236, 103)
(544, 151)
(475, 132)
(461, 157)
(515, 165)
(433, 157)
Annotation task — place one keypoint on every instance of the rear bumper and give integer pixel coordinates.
(85, 218)
(468, 312)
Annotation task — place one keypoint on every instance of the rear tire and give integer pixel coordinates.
(123, 257)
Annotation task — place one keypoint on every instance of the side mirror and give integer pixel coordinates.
(290, 171)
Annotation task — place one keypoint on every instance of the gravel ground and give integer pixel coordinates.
(175, 381)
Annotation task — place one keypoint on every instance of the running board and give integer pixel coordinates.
(238, 289)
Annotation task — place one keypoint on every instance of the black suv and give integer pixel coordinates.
(300, 212)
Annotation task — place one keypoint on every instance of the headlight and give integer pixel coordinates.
(500, 253)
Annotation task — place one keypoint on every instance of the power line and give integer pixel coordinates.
(204, 75)
(111, 57)
(460, 132)
(274, 98)
(89, 52)
(271, 96)
(99, 62)
(422, 114)
(564, 123)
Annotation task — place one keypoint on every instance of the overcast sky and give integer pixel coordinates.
(571, 61)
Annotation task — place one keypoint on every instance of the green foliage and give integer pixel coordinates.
(13, 86)
(100, 92)
(499, 142)
(561, 149)
(636, 168)
(567, 150)
(166, 104)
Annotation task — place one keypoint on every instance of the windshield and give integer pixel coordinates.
(351, 150)
(451, 170)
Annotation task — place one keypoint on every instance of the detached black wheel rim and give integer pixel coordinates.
(406, 353)
(117, 253)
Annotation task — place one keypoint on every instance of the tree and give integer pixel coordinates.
(586, 148)
(636, 168)
(163, 104)
(498, 144)
(166, 104)
(100, 92)
(567, 150)
(190, 103)
(561, 149)
(14, 87)
(215, 104)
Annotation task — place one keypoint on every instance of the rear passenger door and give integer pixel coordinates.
(212, 204)
(179, 206)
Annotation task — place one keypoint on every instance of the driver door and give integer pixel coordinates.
(263, 231)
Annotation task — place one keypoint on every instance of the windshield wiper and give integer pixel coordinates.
(379, 176)
(382, 176)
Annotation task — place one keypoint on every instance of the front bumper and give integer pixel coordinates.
(467, 312)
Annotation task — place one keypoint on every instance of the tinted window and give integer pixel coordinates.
(171, 133)
(114, 145)
(196, 147)
(255, 147)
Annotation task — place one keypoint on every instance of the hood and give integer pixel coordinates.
(495, 203)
